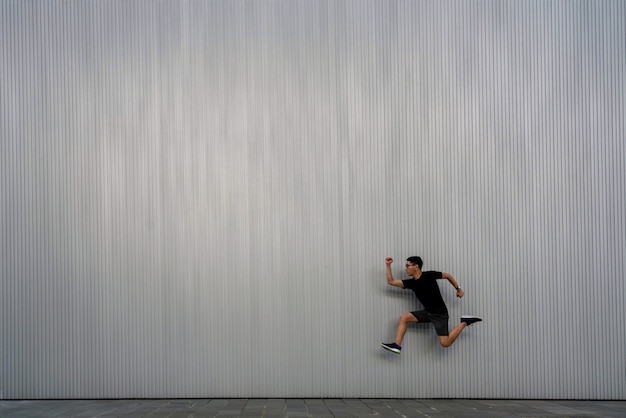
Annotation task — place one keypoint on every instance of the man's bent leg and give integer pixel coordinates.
(446, 341)
(405, 319)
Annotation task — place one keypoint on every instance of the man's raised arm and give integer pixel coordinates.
(390, 279)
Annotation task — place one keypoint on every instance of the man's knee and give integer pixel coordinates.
(445, 342)
(407, 317)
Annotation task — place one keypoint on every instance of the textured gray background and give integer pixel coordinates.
(197, 197)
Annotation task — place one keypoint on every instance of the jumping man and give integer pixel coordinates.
(424, 285)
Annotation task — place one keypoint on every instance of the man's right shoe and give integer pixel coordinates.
(393, 347)
(469, 319)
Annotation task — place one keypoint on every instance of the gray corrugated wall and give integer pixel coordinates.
(198, 196)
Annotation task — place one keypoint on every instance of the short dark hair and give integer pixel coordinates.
(416, 261)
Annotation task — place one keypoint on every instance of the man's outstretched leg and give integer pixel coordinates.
(396, 346)
(466, 321)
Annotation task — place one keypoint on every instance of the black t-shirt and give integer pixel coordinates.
(427, 291)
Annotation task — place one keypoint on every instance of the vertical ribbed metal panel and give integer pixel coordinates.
(197, 197)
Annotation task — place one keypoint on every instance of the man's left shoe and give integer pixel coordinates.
(469, 319)
(393, 347)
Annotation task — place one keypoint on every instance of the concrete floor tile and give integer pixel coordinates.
(281, 408)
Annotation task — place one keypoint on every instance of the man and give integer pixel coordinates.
(424, 285)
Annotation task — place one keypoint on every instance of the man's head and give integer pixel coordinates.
(416, 261)
(413, 265)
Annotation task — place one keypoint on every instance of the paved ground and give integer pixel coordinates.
(436, 408)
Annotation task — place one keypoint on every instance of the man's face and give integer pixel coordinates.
(410, 268)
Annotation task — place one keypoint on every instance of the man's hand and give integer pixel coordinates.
(460, 293)
(388, 261)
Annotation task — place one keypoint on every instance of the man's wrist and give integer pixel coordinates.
(457, 287)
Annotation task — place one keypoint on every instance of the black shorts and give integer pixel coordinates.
(440, 321)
